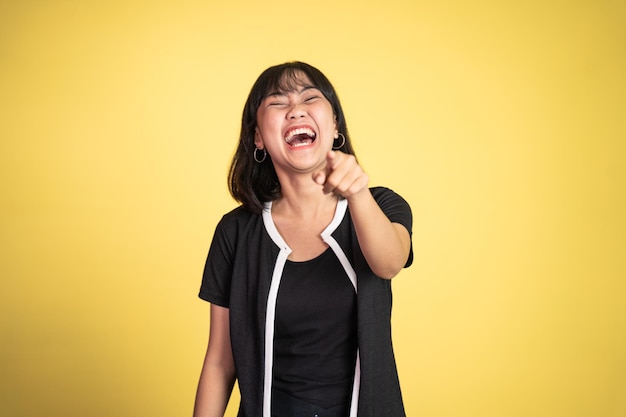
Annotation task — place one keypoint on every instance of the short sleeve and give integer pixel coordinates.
(218, 269)
(397, 210)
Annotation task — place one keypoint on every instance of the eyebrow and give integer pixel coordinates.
(284, 93)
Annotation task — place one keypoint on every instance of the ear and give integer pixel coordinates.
(335, 123)
(258, 140)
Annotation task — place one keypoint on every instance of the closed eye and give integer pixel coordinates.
(276, 102)
(312, 98)
(275, 99)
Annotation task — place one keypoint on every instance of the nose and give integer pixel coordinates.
(296, 111)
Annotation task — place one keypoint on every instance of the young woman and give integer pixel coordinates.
(298, 276)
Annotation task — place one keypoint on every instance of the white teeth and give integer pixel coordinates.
(299, 131)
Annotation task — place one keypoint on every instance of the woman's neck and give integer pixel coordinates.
(304, 199)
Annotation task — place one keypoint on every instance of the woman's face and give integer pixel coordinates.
(297, 127)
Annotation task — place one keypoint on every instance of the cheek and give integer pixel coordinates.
(328, 119)
(268, 121)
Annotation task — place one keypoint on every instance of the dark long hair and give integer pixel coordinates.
(252, 183)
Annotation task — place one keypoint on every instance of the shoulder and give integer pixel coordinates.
(395, 207)
(238, 216)
(236, 222)
(379, 190)
(384, 195)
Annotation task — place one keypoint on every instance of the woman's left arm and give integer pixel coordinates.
(385, 245)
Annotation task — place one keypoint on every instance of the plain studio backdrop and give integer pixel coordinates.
(502, 123)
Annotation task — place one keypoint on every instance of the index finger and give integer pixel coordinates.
(331, 160)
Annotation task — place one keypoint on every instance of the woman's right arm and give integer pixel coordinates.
(218, 372)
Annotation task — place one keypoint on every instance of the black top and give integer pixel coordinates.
(315, 338)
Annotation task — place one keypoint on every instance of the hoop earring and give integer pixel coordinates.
(256, 158)
(343, 141)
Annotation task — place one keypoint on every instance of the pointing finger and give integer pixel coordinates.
(319, 177)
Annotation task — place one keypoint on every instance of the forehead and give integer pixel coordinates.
(289, 82)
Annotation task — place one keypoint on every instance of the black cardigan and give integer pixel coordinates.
(238, 275)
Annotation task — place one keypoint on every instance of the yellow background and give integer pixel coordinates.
(502, 123)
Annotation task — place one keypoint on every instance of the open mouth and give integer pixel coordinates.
(301, 136)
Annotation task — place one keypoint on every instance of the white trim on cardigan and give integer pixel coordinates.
(285, 250)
